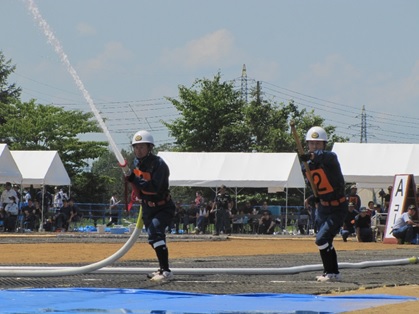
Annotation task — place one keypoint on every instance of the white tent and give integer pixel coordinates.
(274, 171)
(258, 170)
(9, 171)
(41, 168)
(372, 165)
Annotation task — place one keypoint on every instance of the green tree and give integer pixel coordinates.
(89, 187)
(29, 126)
(212, 118)
(107, 168)
(7, 91)
(269, 125)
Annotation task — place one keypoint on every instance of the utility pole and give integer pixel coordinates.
(258, 92)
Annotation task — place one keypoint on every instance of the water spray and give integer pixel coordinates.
(55, 43)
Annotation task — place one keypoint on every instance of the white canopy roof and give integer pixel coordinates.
(375, 165)
(234, 169)
(9, 172)
(41, 168)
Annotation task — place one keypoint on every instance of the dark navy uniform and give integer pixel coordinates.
(363, 226)
(332, 207)
(152, 187)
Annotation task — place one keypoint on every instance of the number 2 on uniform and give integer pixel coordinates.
(321, 181)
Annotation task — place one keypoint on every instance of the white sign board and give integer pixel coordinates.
(399, 196)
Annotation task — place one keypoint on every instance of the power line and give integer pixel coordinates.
(343, 116)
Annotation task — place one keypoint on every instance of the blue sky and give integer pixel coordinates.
(331, 56)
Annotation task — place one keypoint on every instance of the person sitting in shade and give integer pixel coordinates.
(202, 214)
(403, 228)
(62, 216)
(371, 209)
(266, 223)
(363, 226)
(348, 227)
(29, 219)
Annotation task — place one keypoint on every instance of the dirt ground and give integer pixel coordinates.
(46, 253)
(93, 252)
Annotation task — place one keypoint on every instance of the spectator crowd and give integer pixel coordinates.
(34, 210)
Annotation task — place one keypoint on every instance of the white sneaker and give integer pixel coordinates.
(163, 276)
(154, 273)
(329, 277)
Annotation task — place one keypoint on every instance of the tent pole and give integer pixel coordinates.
(41, 225)
(236, 197)
(286, 208)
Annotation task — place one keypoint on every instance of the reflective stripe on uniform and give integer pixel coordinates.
(159, 243)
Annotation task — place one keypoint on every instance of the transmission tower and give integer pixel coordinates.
(244, 83)
(363, 126)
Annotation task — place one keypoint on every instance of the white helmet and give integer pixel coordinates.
(142, 137)
(316, 133)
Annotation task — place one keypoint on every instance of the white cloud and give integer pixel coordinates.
(108, 59)
(334, 69)
(396, 95)
(214, 49)
(85, 29)
(333, 79)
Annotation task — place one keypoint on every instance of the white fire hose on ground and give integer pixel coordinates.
(67, 271)
(99, 267)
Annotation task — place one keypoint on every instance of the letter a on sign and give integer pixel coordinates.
(402, 195)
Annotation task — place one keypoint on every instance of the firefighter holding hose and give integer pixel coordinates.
(150, 181)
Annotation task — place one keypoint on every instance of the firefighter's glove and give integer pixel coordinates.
(130, 177)
(305, 157)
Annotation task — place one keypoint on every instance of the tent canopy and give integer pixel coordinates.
(375, 165)
(258, 170)
(41, 168)
(9, 171)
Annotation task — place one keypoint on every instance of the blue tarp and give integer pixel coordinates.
(81, 300)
